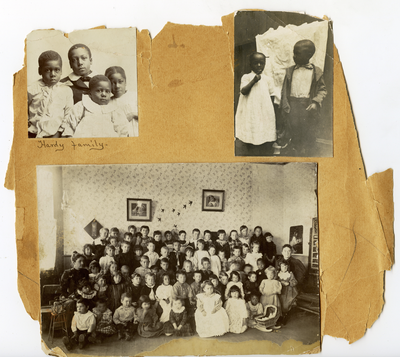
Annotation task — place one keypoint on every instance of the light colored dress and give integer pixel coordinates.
(237, 311)
(255, 116)
(128, 103)
(270, 290)
(163, 293)
(91, 120)
(215, 264)
(48, 107)
(216, 324)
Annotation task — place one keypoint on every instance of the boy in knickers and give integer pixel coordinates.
(303, 91)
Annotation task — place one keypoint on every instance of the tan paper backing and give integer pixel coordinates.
(185, 81)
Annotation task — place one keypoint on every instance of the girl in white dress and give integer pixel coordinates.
(125, 100)
(211, 318)
(237, 312)
(164, 297)
(255, 115)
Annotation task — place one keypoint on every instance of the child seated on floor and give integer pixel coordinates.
(95, 116)
(196, 285)
(217, 287)
(149, 326)
(211, 318)
(49, 102)
(153, 256)
(164, 297)
(104, 321)
(236, 310)
(101, 286)
(234, 280)
(83, 326)
(255, 309)
(178, 324)
(125, 318)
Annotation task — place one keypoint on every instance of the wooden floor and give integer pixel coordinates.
(302, 326)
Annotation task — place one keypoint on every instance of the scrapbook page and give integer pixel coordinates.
(160, 190)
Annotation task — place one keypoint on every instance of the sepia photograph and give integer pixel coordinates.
(283, 85)
(82, 85)
(213, 200)
(135, 287)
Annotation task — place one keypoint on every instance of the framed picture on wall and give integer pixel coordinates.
(213, 200)
(296, 239)
(138, 209)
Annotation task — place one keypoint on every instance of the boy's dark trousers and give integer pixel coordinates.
(301, 124)
(127, 330)
(80, 337)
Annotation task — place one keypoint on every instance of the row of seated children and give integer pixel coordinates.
(264, 295)
(70, 107)
(179, 310)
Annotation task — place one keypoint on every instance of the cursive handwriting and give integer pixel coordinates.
(46, 145)
(92, 145)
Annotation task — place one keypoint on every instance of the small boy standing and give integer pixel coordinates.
(125, 318)
(303, 91)
(49, 102)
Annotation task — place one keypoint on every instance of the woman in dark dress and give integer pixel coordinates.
(71, 280)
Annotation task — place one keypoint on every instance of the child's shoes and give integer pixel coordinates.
(81, 341)
(67, 343)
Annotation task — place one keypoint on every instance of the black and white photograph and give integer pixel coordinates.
(213, 200)
(283, 85)
(138, 286)
(138, 209)
(82, 85)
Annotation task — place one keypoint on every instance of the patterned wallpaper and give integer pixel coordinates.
(101, 192)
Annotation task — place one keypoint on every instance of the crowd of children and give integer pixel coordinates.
(83, 104)
(178, 285)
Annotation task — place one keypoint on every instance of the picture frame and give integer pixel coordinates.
(296, 239)
(138, 209)
(213, 200)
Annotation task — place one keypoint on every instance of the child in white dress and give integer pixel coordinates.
(255, 115)
(126, 100)
(211, 318)
(95, 116)
(164, 297)
(237, 312)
